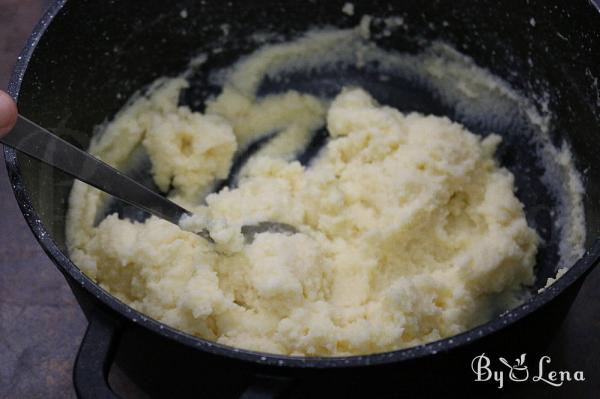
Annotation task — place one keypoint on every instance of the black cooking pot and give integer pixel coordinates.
(85, 58)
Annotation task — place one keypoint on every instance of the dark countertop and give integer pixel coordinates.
(41, 325)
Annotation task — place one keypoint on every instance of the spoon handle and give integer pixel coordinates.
(39, 143)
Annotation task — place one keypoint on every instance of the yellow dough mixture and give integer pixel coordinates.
(408, 230)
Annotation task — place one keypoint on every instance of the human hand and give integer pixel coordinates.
(8, 113)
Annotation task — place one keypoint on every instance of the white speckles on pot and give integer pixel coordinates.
(532, 22)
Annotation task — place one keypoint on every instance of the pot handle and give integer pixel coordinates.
(95, 355)
(267, 387)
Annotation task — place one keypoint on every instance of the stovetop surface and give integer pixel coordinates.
(41, 325)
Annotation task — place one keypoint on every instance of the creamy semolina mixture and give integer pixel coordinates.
(408, 230)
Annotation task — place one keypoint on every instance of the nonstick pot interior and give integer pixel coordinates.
(95, 55)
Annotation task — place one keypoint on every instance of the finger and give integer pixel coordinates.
(8, 113)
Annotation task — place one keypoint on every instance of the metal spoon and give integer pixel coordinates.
(39, 143)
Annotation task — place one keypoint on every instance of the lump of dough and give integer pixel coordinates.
(407, 231)
(189, 150)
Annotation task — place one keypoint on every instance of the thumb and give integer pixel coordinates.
(8, 113)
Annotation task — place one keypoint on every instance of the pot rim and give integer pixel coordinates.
(67, 267)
